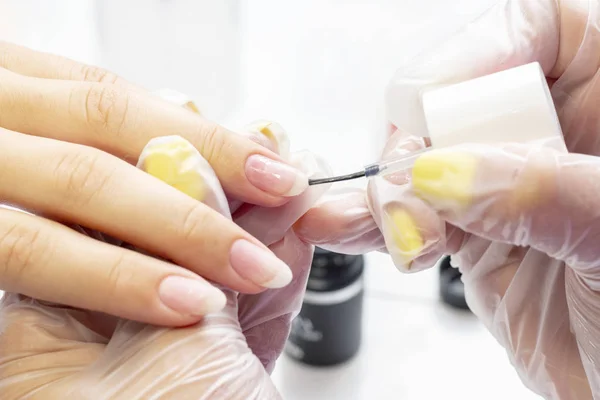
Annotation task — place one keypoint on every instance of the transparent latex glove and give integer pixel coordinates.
(48, 351)
(520, 221)
(509, 34)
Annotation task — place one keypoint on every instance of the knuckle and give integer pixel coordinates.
(106, 109)
(195, 221)
(82, 175)
(213, 142)
(90, 73)
(117, 279)
(22, 248)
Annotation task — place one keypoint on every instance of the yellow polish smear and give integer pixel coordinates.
(405, 234)
(170, 161)
(192, 107)
(264, 128)
(445, 177)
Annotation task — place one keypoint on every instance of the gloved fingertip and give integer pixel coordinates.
(445, 178)
(402, 143)
(405, 240)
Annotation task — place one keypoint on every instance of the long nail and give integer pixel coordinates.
(258, 265)
(190, 296)
(275, 177)
(444, 178)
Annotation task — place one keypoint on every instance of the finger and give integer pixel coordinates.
(414, 234)
(122, 122)
(269, 135)
(511, 33)
(266, 318)
(50, 262)
(91, 188)
(134, 342)
(518, 194)
(50, 351)
(341, 222)
(36, 64)
(269, 225)
(38, 338)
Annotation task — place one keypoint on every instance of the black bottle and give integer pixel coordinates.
(328, 329)
(452, 289)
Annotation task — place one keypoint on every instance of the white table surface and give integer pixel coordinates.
(319, 67)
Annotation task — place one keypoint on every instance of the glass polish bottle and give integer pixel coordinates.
(328, 329)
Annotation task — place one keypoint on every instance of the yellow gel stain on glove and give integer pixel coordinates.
(274, 133)
(190, 105)
(265, 129)
(173, 162)
(405, 234)
(445, 178)
(178, 98)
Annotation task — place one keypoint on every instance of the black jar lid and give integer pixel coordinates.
(332, 271)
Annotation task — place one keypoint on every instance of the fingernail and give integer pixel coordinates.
(405, 235)
(258, 265)
(446, 178)
(275, 177)
(190, 296)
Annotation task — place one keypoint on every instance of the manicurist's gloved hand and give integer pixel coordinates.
(521, 221)
(68, 135)
(50, 351)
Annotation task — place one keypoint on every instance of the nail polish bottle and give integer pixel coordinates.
(452, 289)
(328, 329)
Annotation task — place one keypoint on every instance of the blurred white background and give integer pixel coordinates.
(319, 67)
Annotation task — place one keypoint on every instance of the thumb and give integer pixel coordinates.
(525, 195)
(511, 33)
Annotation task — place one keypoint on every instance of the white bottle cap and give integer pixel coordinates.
(514, 105)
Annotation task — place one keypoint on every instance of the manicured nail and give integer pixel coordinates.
(258, 265)
(445, 178)
(275, 177)
(405, 234)
(190, 296)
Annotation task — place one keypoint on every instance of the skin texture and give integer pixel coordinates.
(70, 136)
(52, 351)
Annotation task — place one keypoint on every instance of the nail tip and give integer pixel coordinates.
(218, 301)
(282, 279)
(299, 187)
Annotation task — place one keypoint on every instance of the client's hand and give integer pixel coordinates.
(48, 351)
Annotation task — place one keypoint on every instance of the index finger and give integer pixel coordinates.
(88, 187)
(120, 120)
